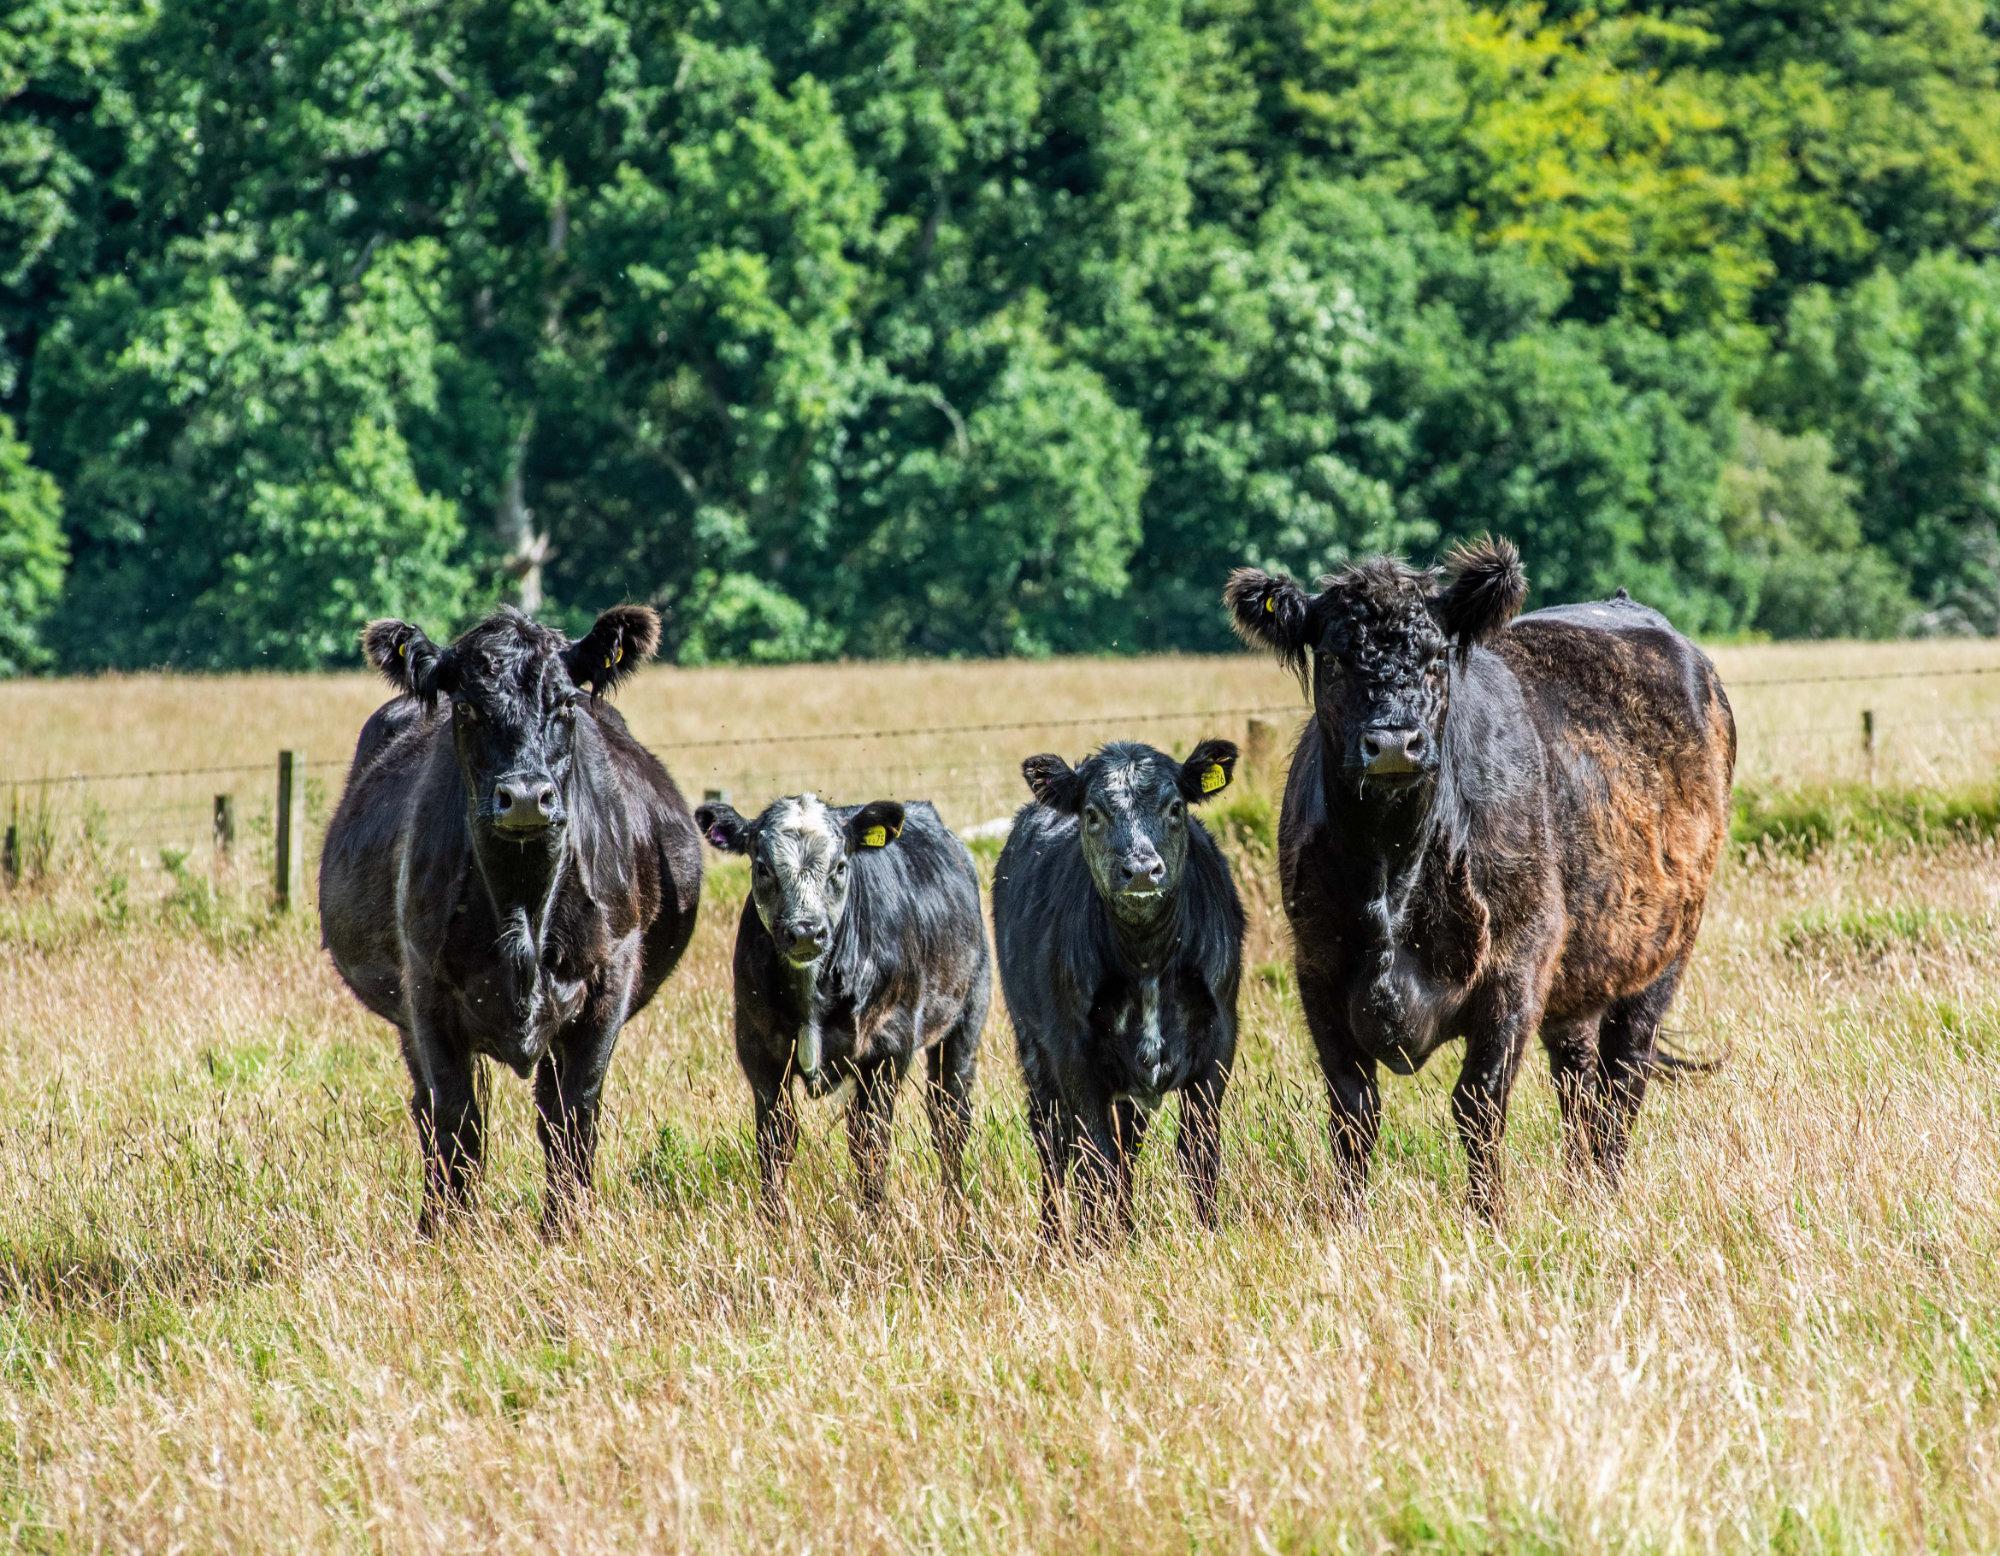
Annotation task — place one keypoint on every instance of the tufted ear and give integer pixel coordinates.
(876, 825)
(408, 660)
(622, 639)
(1054, 783)
(1207, 770)
(1487, 585)
(724, 829)
(1269, 610)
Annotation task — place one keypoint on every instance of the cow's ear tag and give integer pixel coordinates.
(403, 649)
(1270, 604)
(875, 837)
(1213, 778)
(618, 654)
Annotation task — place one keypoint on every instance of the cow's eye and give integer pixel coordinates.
(466, 711)
(1094, 819)
(1176, 810)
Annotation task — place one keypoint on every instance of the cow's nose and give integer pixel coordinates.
(1386, 750)
(1144, 872)
(524, 804)
(803, 941)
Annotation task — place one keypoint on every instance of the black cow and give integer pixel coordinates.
(861, 946)
(1491, 830)
(509, 875)
(1121, 947)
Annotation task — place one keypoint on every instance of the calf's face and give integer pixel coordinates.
(1132, 804)
(1375, 647)
(799, 851)
(516, 691)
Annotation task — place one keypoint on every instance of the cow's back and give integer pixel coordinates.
(1641, 748)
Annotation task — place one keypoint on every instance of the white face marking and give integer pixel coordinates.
(805, 854)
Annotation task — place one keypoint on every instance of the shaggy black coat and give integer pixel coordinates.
(1489, 831)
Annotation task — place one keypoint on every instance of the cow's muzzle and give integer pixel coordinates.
(1398, 755)
(526, 805)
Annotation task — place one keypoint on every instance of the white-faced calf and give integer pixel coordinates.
(861, 946)
(1121, 946)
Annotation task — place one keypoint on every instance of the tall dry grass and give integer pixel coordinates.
(217, 1327)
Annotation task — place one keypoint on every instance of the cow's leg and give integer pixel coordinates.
(1101, 1163)
(1054, 1129)
(871, 1116)
(777, 1143)
(949, 1066)
(1627, 1042)
(569, 1086)
(1199, 1142)
(444, 1102)
(1573, 1066)
(1493, 1048)
(1128, 1132)
(1354, 1100)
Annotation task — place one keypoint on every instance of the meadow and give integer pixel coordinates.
(217, 1327)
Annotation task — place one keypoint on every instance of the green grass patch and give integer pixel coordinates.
(1806, 821)
(1876, 930)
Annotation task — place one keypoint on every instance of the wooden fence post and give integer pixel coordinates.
(10, 849)
(291, 866)
(715, 796)
(1868, 741)
(1260, 755)
(225, 824)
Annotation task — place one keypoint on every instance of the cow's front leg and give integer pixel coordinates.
(569, 1087)
(1353, 1098)
(444, 1103)
(1199, 1142)
(1493, 1048)
(871, 1117)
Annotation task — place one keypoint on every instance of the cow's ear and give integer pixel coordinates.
(1207, 770)
(1269, 610)
(876, 825)
(1054, 783)
(623, 639)
(724, 829)
(409, 661)
(1485, 589)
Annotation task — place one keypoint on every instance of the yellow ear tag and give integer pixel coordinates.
(1270, 604)
(607, 664)
(1213, 778)
(402, 651)
(618, 653)
(875, 837)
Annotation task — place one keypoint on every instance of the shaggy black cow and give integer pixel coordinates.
(1491, 830)
(509, 875)
(861, 946)
(1121, 946)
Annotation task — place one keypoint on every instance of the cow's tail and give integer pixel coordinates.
(1672, 1060)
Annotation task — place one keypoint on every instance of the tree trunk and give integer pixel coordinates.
(522, 547)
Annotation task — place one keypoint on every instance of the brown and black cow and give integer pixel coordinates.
(509, 875)
(1489, 830)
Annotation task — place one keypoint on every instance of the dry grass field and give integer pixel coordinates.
(217, 1328)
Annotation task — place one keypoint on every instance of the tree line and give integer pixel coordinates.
(885, 327)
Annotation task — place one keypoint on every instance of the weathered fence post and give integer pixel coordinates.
(1868, 741)
(715, 796)
(1260, 754)
(10, 848)
(225, 824)
(291, 867)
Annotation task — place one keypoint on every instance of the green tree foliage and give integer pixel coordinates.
(31, 554)
(892, 326)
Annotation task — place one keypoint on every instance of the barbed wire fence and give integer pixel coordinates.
(263, 818)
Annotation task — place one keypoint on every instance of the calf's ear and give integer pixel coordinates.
(876, 825)
(724, 829)
(408, 660)
(1207, 770)
(622, 639)
(1485, 589)
(1054, 783)
(1269, 610)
